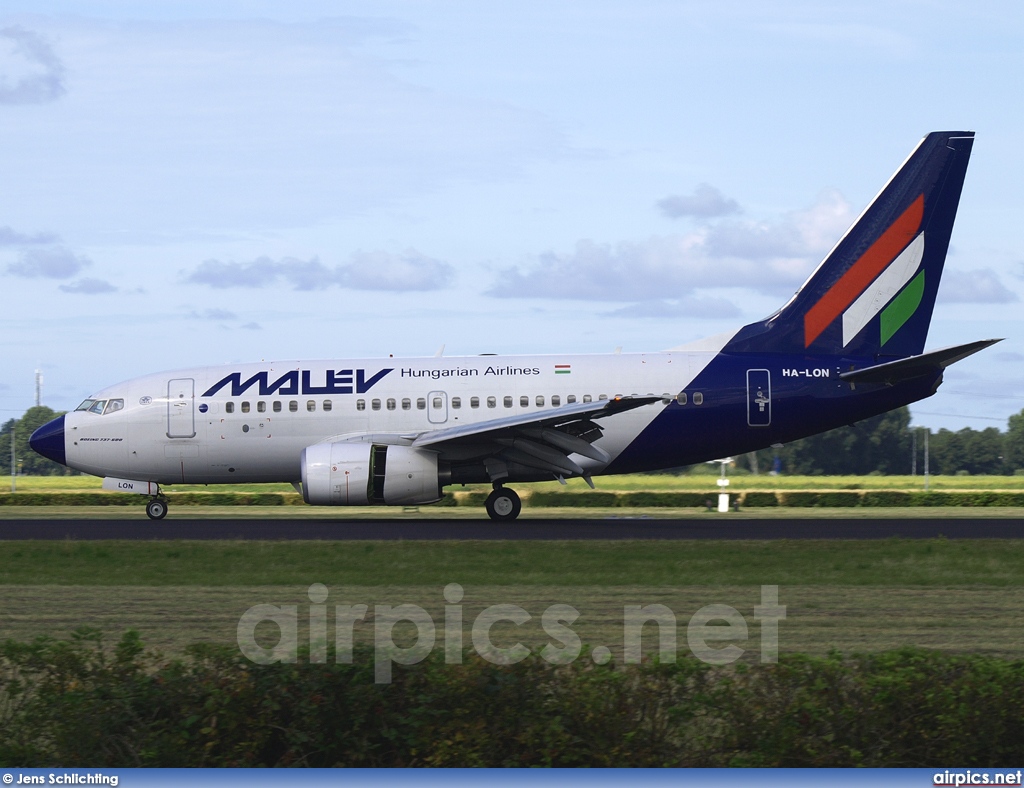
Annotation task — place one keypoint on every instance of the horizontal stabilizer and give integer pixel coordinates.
(915, 366)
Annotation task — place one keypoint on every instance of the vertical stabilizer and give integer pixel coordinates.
(873, 294)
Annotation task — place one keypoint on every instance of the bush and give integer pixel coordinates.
(76, 703)
(757, 499)
(573, 499)
(794, 498)
(838, 499)
(677, 500)
(886, 498)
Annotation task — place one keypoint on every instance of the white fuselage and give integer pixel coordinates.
(213, 425)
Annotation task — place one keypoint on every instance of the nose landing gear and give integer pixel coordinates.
(503, 504)
(156, 509)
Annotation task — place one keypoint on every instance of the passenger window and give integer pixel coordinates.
(524, 402)
(507, 402)
(698, 398)
(311, 406)
(437, 403)
(277, 406)
(474, 402)
(293, 406)
(569, 400)
(421, 404)
(375, 404)
(392, 404)
(245, 407)
(556, 400)
(540, 401)
(602, 396)
(114, 405)
(328, 405)
(261, 407)
(456, 402)
(587, 398)
(492, 402)
(406, 404)
(360, 404)
(681, 397)
(229, 407)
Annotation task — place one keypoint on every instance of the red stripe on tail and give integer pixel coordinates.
(863, 272)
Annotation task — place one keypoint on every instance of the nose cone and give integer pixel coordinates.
(48, 440)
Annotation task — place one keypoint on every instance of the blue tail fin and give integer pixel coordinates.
(874, 293)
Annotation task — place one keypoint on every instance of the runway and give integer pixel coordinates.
(527, 529)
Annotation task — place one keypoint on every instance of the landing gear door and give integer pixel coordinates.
(759, 398)
(181, 417)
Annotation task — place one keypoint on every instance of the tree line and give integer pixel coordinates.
(889, 445)
(885, 444)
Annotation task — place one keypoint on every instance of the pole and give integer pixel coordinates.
(927, 432)
(913, 452)
(39, 388)
(14, 465)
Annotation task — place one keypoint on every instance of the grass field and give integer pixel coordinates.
(428, 513)
(632, 482)
(959, 596)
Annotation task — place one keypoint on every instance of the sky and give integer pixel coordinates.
(196, 183)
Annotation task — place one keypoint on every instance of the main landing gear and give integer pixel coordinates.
(503, 504)
(156, 509)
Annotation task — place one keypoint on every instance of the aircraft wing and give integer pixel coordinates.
(542, 440)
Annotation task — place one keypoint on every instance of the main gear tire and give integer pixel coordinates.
(503, 504)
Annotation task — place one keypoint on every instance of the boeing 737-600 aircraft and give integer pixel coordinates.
(354, 432)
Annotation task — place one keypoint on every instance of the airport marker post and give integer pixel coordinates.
(723, 495)
(723, 482)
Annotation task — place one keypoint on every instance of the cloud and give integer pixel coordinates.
(252, 327)
(212, 314)
(89, 286)
(56, 262)
(980, 286)
(30, 72)
(11, 237)
(200, 126)
(683, 307)
(1010, 357)
(407, 271)
(770, 257)
(215, 273)
(706, 202)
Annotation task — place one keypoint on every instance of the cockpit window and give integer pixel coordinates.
(98, 405)
(86, 404)
(114, 405)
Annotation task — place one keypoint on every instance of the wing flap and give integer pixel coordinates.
(553, 417)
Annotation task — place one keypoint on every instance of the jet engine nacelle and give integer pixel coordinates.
(361, 474)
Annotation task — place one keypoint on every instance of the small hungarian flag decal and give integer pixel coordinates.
(563, 369)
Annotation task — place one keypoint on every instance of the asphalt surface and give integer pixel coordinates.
(184, 528)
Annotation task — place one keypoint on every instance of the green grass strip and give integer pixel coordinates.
(934, 562)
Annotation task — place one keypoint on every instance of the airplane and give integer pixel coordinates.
(849, 344)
